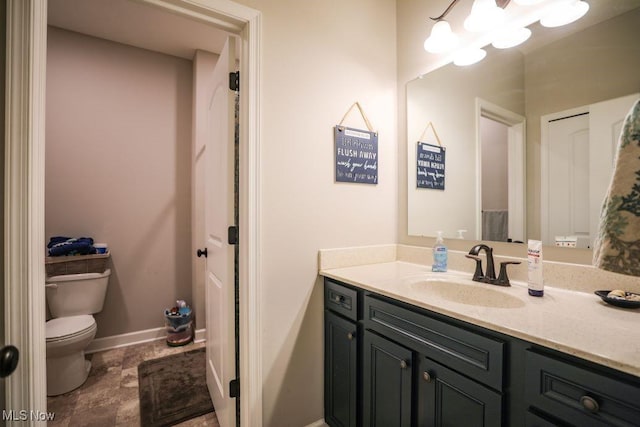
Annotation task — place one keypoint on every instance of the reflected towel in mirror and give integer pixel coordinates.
(495, 225)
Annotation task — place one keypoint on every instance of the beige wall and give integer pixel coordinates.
(118, 168)
(318, 58)
(495, 173)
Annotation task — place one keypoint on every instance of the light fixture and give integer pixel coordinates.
(442, 39)
(510, 38)
(469, 56)
(527, 2)
(565, 13)
(485, 15)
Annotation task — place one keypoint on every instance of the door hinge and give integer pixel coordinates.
(234, 81)
(232, 235)
(234, 388)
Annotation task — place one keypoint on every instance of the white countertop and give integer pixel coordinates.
(576, 323)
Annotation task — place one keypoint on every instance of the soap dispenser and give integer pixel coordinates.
(439, 255)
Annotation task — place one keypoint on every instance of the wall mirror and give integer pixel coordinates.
(529, 132)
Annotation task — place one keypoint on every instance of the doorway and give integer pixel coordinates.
(494, 146)
(501, 172)
(26, 53)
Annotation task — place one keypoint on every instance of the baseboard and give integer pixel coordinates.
(133, 338)
(201, 335)
(319, 423)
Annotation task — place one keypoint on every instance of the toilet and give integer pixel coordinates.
(72, 299)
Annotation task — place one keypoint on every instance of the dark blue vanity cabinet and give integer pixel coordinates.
(387, 382)
(420, 376)
(341, 359)
(579, 394)
(388, 363)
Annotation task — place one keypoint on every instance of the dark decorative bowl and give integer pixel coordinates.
(618, 302)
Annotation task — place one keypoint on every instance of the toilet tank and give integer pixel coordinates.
(73, 294)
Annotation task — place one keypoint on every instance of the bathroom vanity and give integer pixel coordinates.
(407, 347)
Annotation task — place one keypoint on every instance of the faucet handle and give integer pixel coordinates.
(478, 276)
(503, 279)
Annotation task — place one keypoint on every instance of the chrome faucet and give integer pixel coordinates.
(489, 276)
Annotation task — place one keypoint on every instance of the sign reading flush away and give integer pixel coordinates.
(356, 155)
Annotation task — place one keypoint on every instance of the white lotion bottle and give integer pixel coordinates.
(535, 279)
(440, 255)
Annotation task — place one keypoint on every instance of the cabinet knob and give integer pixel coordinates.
(350, 336)
(426, 376)
(403, 364)
(337, 298)
(590, 404)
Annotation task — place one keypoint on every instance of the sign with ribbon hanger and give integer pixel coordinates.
(356, 152)
(430, 162)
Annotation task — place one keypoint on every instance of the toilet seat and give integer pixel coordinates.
(64, 328)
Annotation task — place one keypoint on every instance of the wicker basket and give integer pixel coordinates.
(76, 264)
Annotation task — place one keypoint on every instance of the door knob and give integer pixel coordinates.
(9, 356)
(202, 252)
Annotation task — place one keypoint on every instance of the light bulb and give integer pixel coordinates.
(469, 56)
(485, 15)
(527, 2)
(510, 38)
(442, 39)
(565, 13)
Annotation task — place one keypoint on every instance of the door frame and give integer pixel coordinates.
(26, 24)
(517, 165)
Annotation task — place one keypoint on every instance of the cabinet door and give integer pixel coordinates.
(340, 367)
(387, 383)
(579, 395)
(446, 398)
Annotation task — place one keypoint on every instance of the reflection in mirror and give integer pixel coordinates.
(541, 82)
(577, 157)
(501, 148)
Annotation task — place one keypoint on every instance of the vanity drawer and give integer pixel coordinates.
(341, 299)
(475, 355)
(579, 396)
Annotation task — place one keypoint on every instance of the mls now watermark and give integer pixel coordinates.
(24, 415)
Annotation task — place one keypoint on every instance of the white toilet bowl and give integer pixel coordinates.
(72, 299)
(67, 338)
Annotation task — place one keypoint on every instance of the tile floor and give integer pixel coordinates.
(109, 397)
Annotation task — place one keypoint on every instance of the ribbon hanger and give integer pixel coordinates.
(433, 129)
(364, 116)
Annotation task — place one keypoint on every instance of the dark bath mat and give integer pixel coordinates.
(173, 389)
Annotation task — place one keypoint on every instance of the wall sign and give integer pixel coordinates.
(430, 166)
(356, 155)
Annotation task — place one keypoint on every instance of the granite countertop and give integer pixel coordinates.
(577, 323)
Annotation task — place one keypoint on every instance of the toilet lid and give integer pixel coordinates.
(65, 326)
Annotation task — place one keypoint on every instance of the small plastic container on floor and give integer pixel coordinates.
(179, 324)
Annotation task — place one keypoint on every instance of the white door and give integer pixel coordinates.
(567, 161)
(605, 124)
(219, 215)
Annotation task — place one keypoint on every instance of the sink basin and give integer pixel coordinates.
(481, 295)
